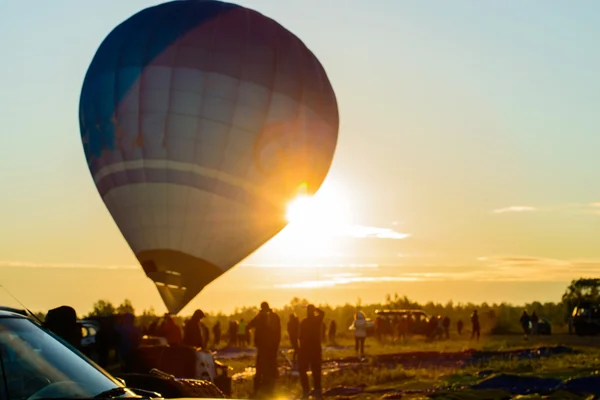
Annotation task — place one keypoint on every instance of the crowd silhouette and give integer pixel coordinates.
(119, 339)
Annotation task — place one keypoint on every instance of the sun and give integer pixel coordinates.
(300, 209)
(315, 224)
(328, 208)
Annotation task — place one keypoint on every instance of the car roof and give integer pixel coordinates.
(13, 312)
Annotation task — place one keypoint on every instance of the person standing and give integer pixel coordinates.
(193, 332)
(525, 320)
(293, 330)
(360, 332)
(267, 336)
(446, 325)
(217, 333)
(475, 327)
(241, 333)
(310, 352)
(332, 331)
(534, 323)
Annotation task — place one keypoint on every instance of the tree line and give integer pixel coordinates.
(496, 318)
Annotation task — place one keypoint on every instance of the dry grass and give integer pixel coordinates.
(562, 366)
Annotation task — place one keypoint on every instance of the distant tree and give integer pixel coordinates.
(102, 308)
(125, 307)
(40, 315)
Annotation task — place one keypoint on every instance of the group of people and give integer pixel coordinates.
(529, 324)
(305, 336)
(433, 328)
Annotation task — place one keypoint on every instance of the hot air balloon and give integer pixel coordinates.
(200, 120)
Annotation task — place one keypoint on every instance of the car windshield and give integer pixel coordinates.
(34, 365)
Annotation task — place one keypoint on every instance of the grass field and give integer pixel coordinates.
(378, 379)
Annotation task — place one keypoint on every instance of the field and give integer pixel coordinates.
(447, 368)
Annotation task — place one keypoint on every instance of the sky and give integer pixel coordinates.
(466, 166)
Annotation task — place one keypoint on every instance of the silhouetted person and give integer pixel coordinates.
(130, 338)
(170, 331)
(217, 333)
(62, 321)
(205, 334)
(232, 333)
(153, 328)
(293, 330)
(310, 352)
(241, 333)
(459, 326)
(360, 332)
(534, 323)
(192, 332)
(402, 328)
(525, 320)
(267, 336)
(104, 341)
(475, 327)
(332, 331)
(446, 325)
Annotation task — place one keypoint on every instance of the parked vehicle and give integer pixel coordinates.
(35, 364)
(586, 318)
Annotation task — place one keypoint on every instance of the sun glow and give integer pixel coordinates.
(314, 224)
(327, 210)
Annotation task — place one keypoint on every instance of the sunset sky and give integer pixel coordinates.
(467, 164)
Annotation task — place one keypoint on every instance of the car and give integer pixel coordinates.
(88, 337)
(420, 318)
(36, 364)
(544, 327)
(586, 318)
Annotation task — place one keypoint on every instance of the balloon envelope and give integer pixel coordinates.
(200, 121)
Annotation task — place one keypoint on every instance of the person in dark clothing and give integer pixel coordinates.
(535, 320)
(459, 326)
(475, 327)
(217, 333)
(130, 338)
(205, 334)
(310, 352)
(170, 331)
(192, 332)
(525, 320)
(104, 341)
(232, 333)
(332, 331)
(62, 321)
(293, 330)
(446, 325)
(267, 336)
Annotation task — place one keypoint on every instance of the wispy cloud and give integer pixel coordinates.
(531, 268)
(514, 209)
(338, 281)
(25, 264)
(361, 231)
(585, 208)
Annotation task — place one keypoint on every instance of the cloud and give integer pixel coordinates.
(515, 209)
(542, 269)
(361, 231)
(585, 208)
(337, 281)
(26, 264)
